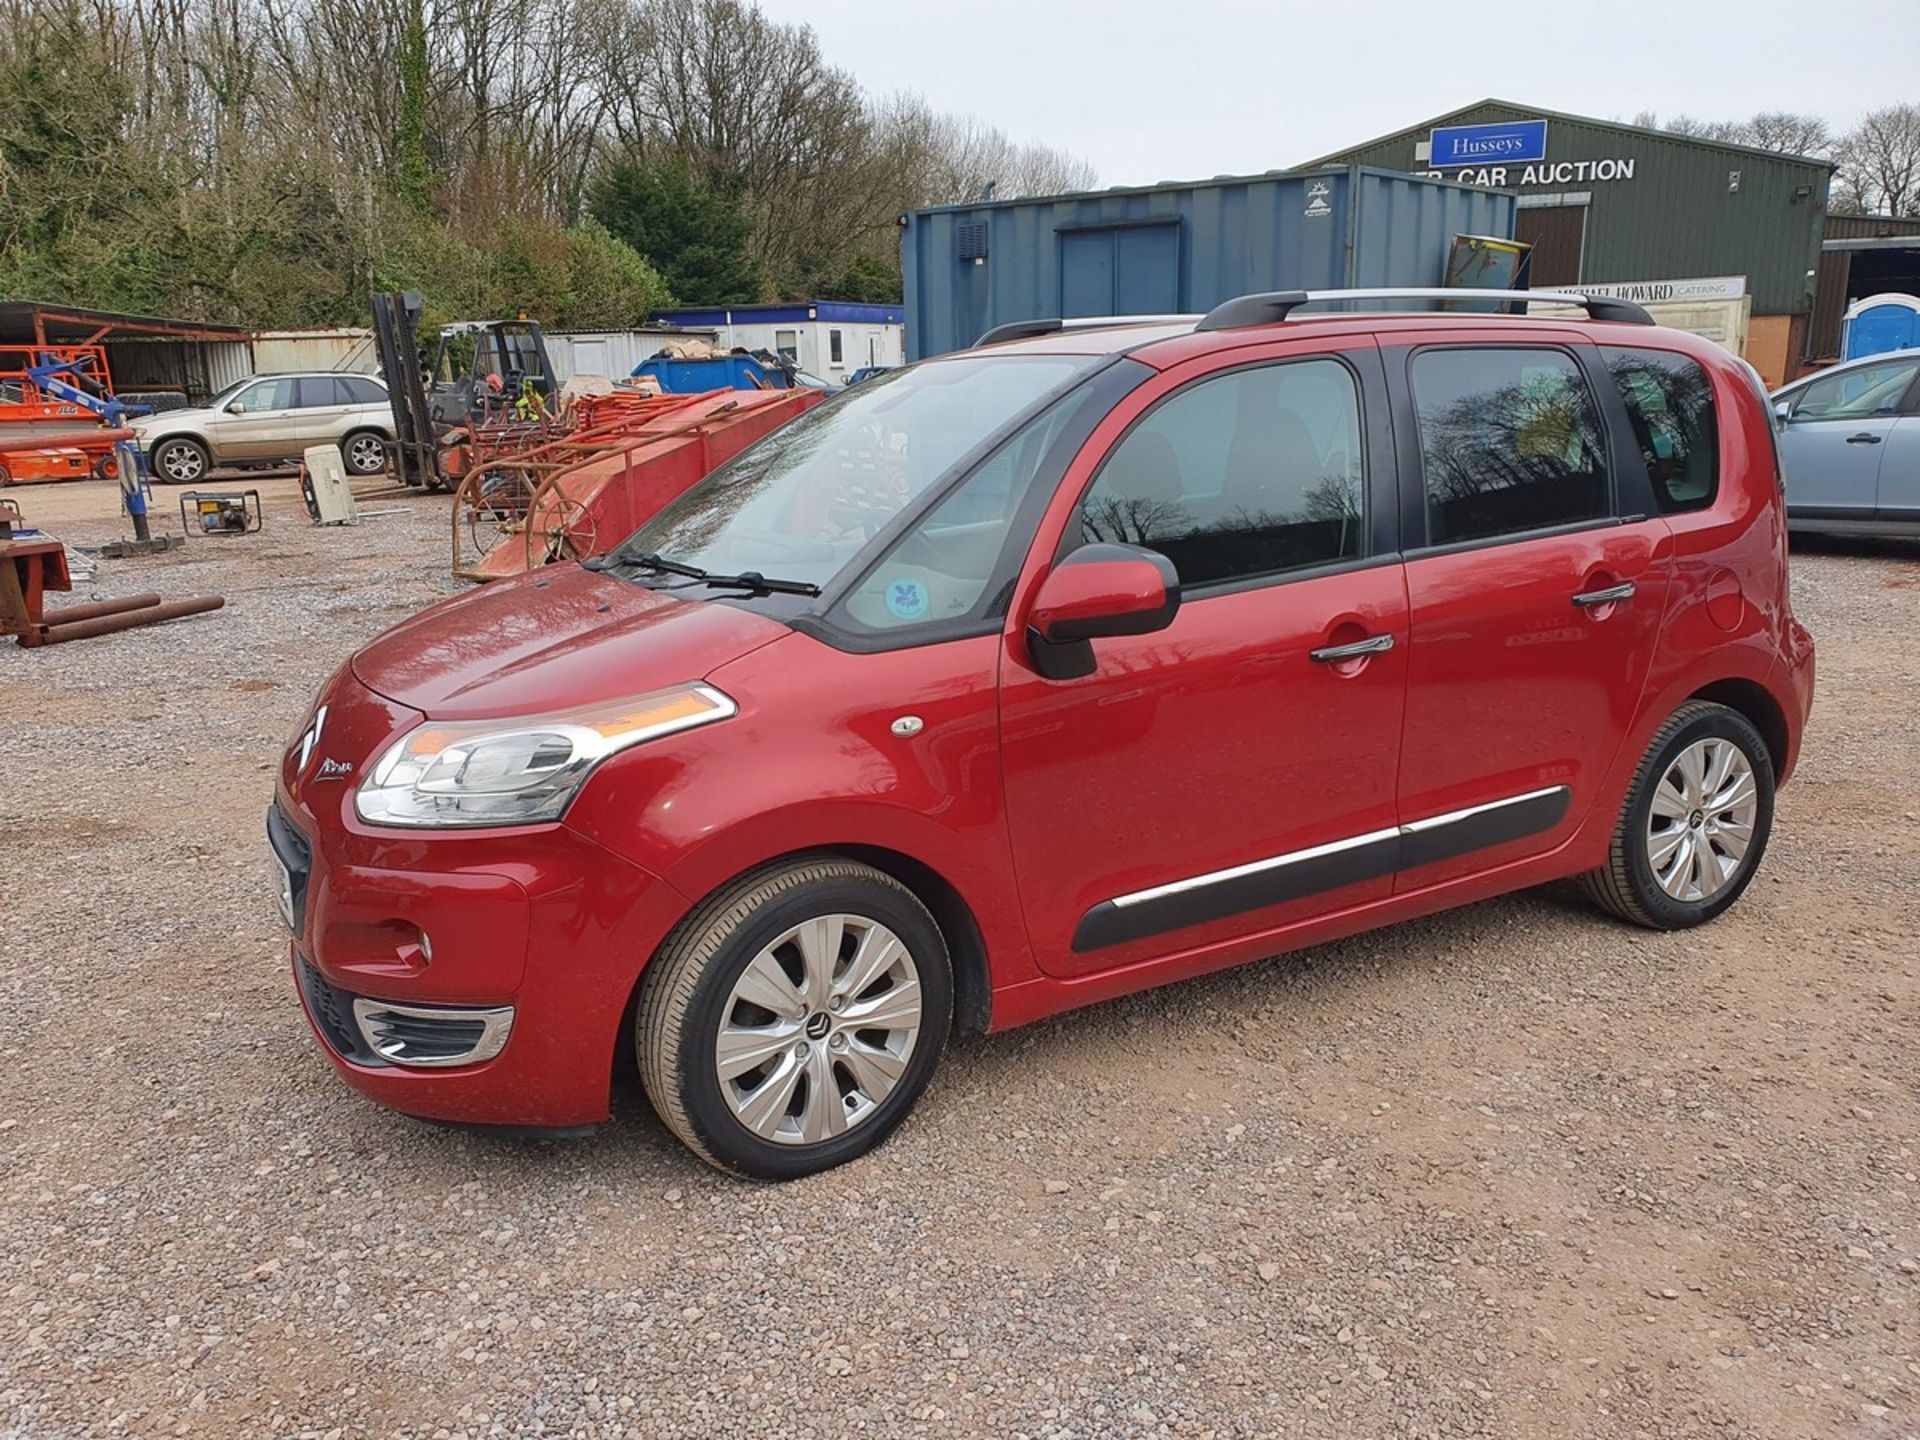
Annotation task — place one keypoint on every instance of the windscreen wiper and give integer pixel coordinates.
(749, 580)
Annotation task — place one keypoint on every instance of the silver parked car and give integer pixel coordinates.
(1850, 447)
(269, 419)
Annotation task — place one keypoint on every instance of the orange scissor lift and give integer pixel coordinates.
(47, 436)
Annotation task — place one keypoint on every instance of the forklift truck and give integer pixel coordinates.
(479, 368)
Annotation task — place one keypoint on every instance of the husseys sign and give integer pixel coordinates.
(1511, 156)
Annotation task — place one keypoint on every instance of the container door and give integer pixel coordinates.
(1086, 273)
(1147, 270)
(1123, 270)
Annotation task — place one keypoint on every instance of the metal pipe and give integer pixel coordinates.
(94, 609)
(128, 620)
(62, 440)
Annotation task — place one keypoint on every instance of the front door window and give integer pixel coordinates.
(1252, 473)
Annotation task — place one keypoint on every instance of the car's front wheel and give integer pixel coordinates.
(1695, 824)
(791, 1021)
(180, 461)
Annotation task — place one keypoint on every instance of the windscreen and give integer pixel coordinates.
(806, 500)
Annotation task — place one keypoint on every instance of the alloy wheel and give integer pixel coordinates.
(1702, 818)
(366, 454)
(818, 1029)
(182, 463)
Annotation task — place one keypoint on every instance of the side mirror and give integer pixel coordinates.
(234, 407)
(1098, 591)
(1782, 411)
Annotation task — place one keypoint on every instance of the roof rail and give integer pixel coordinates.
(1027, 329)
(1275, 306)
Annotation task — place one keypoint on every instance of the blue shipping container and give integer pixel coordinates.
(1176, 249)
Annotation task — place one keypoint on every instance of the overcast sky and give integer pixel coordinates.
(1182, 89)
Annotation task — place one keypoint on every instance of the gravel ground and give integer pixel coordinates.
(1514, 1170)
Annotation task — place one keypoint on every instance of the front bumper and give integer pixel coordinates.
(480, 977)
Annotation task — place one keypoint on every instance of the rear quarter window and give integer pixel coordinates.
(1669, 400)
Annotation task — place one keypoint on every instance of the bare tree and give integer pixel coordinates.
(1779, 130)
(1788, 133)
(947, 160)
(1880, 163)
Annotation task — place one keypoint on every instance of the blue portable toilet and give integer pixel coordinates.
(1880, 323)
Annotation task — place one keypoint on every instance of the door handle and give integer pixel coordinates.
(1372, 645)
(1863, 438)
(1613, 594)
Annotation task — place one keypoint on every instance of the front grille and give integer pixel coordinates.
(333, 1016)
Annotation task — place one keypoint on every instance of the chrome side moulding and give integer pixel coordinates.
(1299, 873)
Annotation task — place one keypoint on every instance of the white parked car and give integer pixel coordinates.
(268, 419)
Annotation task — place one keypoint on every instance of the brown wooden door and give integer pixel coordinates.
(1557, 234)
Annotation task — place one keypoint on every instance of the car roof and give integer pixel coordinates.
(1163, 342)
(1159, 339)
(300, 374)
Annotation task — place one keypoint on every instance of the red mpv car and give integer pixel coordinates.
(1103, 655)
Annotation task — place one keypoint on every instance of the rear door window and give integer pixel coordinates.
(1669, 401)
(1510, 441)
(319, 391)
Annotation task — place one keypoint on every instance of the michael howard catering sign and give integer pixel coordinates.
(1516, 140)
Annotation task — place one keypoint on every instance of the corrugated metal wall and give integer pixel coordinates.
(202, 368)
(1178, 248)
(348, 348)
(614, 354)
(1678, 217)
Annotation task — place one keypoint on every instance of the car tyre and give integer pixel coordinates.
(1696, 823)
(179, 461)
(797, 1084)
(364, 452)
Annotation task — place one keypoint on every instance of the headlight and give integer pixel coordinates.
(521, 770)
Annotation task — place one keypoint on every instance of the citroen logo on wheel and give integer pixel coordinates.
(817, 1025)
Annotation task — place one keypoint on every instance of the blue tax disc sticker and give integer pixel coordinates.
(906, 599)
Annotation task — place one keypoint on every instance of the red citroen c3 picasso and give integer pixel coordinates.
(1102, 655)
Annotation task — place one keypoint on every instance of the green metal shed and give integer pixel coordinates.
(1604, 202)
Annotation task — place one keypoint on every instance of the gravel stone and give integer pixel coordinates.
(1514, 1170)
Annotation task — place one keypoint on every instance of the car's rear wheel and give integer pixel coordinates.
(1695, 824)
(365, 452)
(180, 461)
(791, 1021)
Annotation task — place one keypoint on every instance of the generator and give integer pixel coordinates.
(225, 512)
